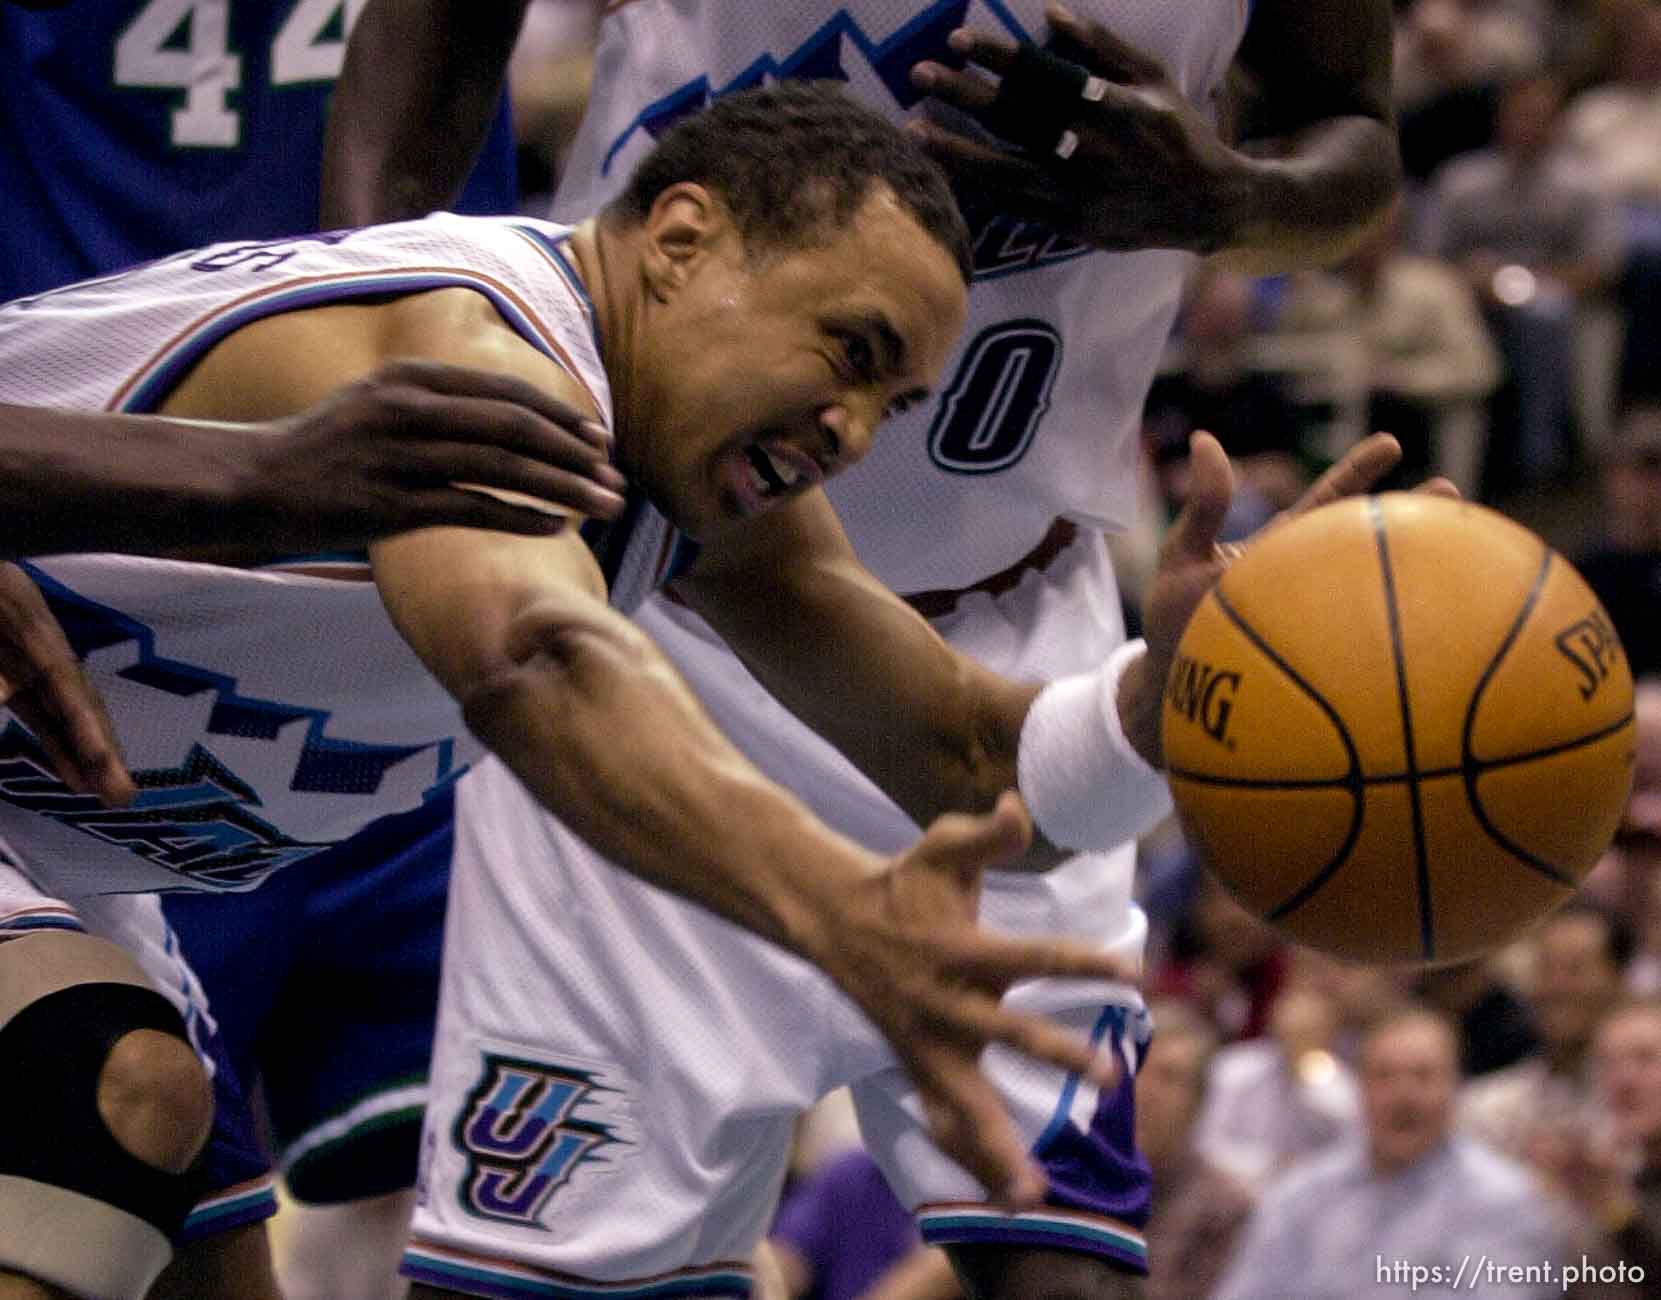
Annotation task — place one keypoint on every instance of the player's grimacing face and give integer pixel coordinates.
(770, 375)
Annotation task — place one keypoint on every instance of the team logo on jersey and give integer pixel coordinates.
(841, 50)
(529, 1128)
(194, 820)
(200, 819)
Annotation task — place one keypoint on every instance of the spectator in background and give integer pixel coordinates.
(1610, 1169)
(1534, 236)
(1450, 58)
(1616, 128)
(1215, 385)
(1409, 1190)
(1358, 992)
(1643, 975)
(1629, 876)
(1496, 1027)
(1420, 359)
(1225, 961)
(1198, 1209)
(1623, 565)
(1579, 956)
(1276, 1099)
(1581, 36)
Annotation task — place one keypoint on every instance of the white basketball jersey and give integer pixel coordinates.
(266, 714)
(1038, 412)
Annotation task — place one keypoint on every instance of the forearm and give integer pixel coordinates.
(936, 731)
(605, 734)
(1314, 135)
(416, 96)
(932, 729)
(948, 735)
(1308, 198)
(92, 481)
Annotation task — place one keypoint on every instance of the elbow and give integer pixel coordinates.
(551, 661)
(492, 698)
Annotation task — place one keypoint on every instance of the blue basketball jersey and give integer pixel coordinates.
(131, 130)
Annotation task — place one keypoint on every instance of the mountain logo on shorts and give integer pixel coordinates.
(528, 1128)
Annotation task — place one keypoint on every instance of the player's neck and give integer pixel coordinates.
(601, 260)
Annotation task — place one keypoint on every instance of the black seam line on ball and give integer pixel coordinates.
(1475, 767)
(1353, 783)
(1472, 769)
(1415, 803)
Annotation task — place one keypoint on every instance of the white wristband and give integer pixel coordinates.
(1086, 787)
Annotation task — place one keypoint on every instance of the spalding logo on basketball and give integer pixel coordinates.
(1400, 729)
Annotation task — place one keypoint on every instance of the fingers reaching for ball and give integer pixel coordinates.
(1375, 722)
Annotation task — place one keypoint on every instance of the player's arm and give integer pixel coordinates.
(380, 456)
(603, 731)
(1317, 130)
(934, 729)
(1104, 146)
(383, 455)
(569, 693)
(420, 85)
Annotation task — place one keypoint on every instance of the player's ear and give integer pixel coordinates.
(687, 223)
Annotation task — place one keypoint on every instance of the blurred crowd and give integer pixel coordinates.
(1304, 1117)
(1503, 322)
(1300, 1115)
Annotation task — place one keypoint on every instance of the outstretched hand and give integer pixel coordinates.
(1101, 144)
(421, 443)
(1191, 560)
(910, 953)
(42, 682)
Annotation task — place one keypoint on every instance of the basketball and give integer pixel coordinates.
(1400, 729)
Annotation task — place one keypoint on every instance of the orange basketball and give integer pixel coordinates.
(1400, 729)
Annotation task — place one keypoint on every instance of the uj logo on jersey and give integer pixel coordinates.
(528, 1128)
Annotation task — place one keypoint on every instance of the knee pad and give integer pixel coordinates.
(54, 1138)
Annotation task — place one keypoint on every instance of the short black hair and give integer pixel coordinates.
(793, 162)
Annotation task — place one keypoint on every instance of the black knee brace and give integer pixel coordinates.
(51, 1055)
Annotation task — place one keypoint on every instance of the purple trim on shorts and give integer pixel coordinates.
(235, 1207)
(233, 1166)
(1100, 1186)
(441, 1266)
(1099, 1170)
(1081, 1233)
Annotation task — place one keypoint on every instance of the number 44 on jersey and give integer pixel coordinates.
(185, 45)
